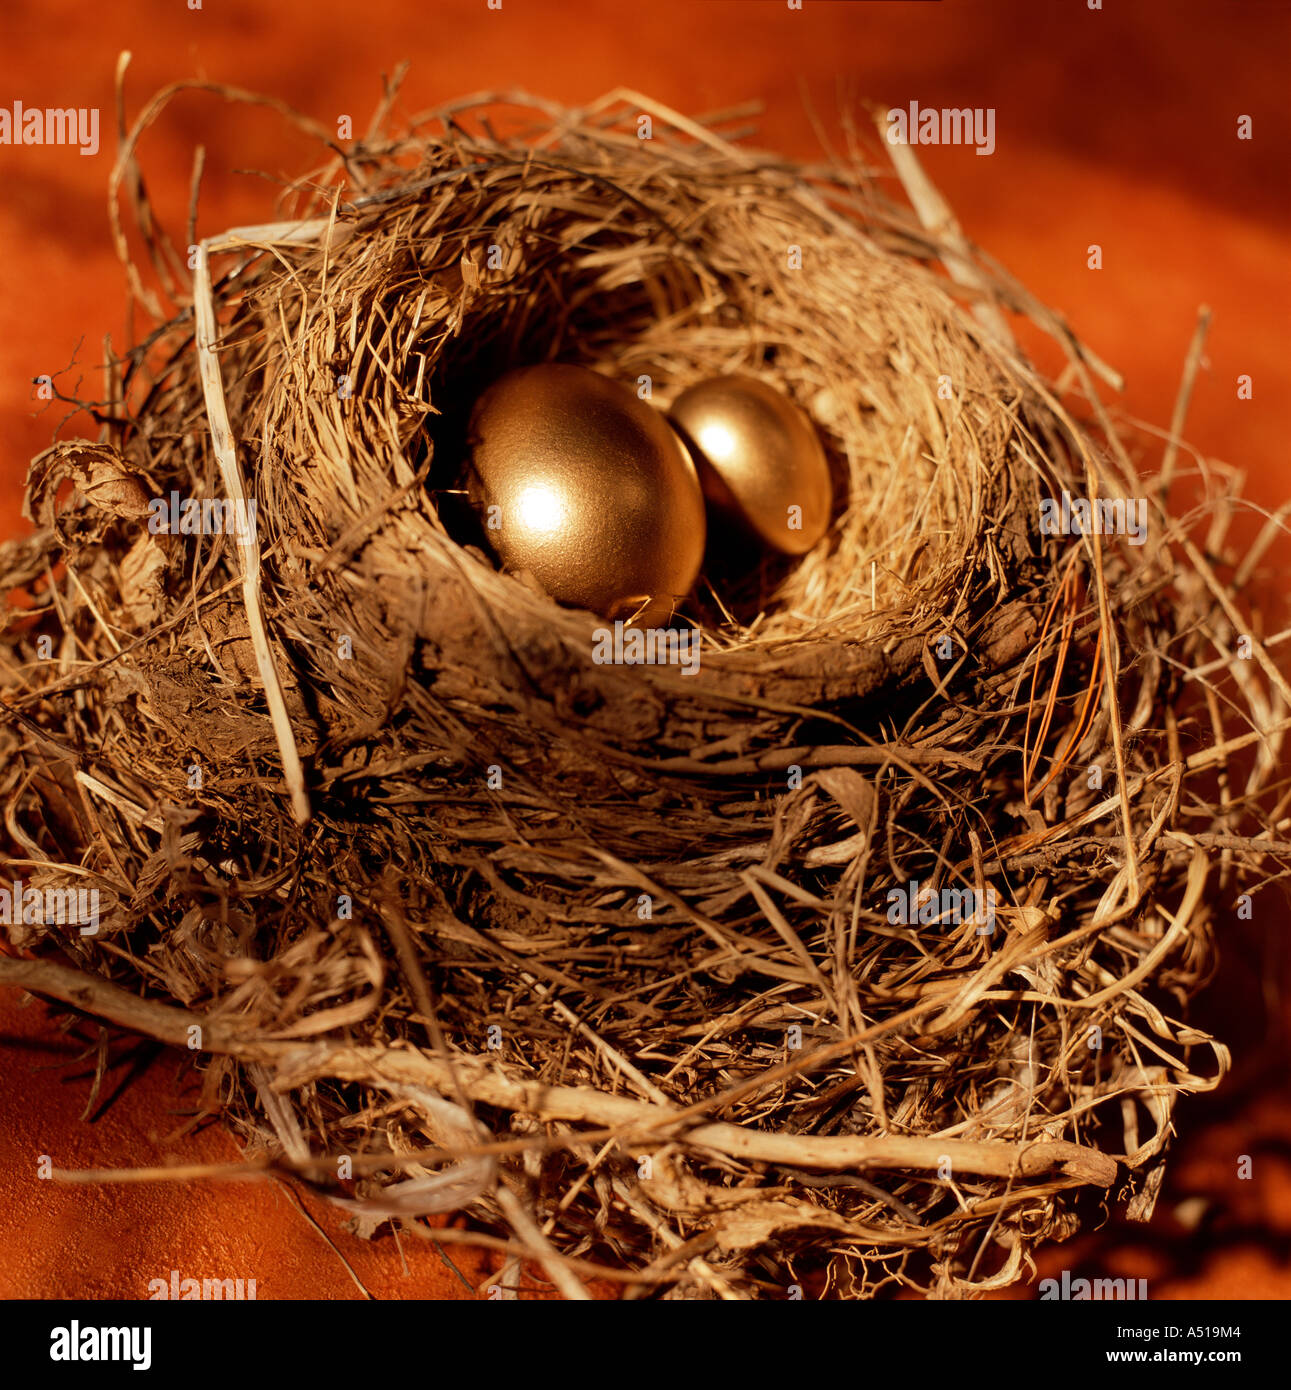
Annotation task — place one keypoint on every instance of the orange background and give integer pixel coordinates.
(1116, 126)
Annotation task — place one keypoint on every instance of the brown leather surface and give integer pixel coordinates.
(1117, 127)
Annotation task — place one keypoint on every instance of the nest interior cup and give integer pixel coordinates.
(429, 872)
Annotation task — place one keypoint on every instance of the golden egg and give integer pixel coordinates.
(761, 463)
(586, 487)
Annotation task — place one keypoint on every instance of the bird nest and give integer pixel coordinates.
(859, 958)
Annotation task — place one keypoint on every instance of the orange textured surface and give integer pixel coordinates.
(1116, 127)
(110, 1240)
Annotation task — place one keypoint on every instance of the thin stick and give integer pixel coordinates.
(935, 214)
(1180, 414)
(248, 545)
(489, 1085)
(527, 1230)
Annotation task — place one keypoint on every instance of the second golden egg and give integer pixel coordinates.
(760, 460)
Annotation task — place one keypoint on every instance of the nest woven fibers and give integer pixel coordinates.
(665, 980)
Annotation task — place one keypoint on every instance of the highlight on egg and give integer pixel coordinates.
(587, 488)
(761, 464)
